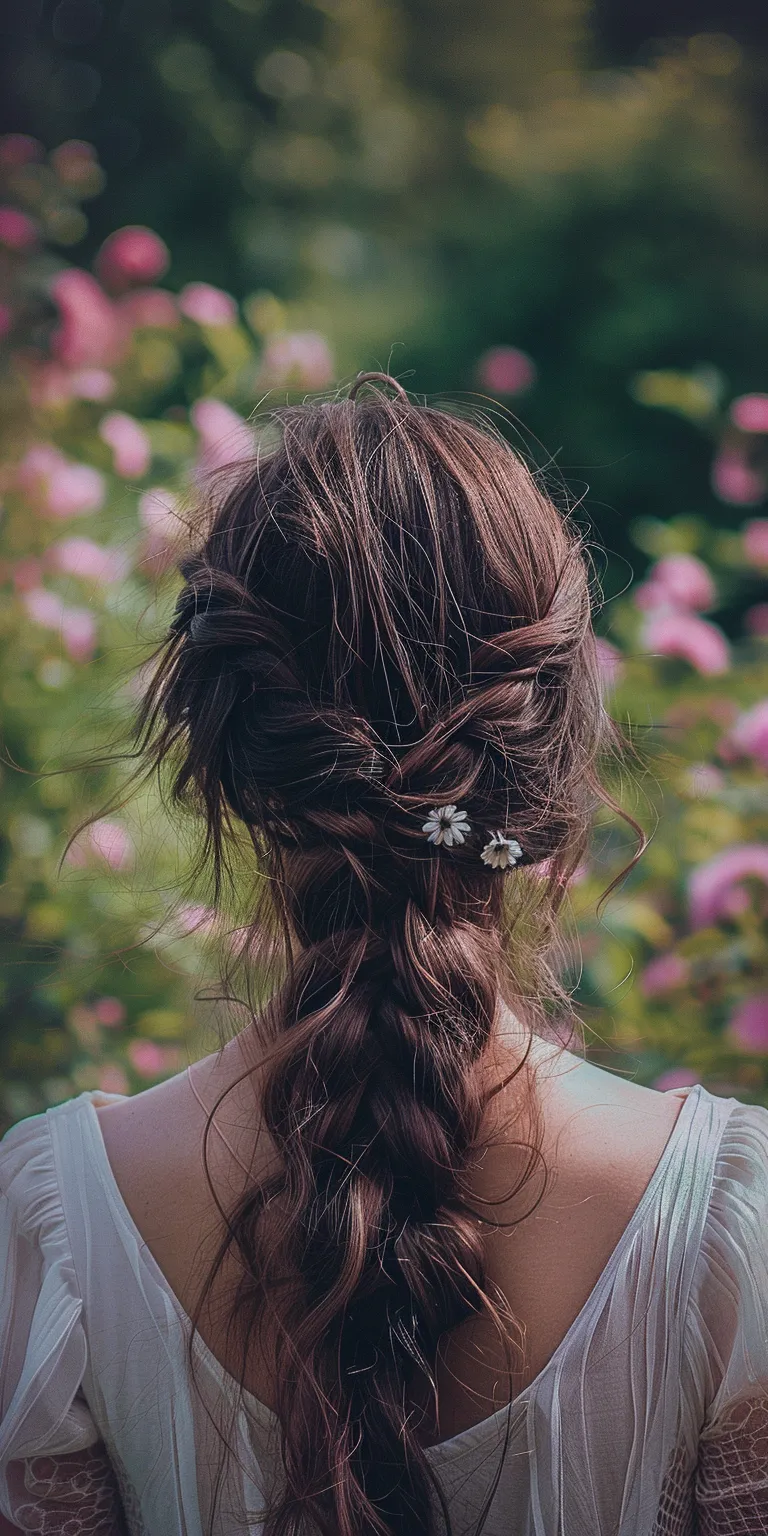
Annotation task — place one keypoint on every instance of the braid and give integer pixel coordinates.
(375, 1125)
(387, 616)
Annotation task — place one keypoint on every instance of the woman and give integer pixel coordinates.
(392, 1262)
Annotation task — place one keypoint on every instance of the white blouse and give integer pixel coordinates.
(651, 1417)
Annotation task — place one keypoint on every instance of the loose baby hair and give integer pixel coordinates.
(385, 615)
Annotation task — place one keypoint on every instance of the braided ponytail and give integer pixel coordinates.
(388, 615)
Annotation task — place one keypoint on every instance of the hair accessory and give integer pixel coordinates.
(501, 852)
(446, 824)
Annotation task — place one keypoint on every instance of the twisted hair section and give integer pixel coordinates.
(384, 614)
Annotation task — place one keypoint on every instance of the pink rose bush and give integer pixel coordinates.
(750, 413)
(130, 444)
(691, 639)
(206, 305)
(506, 371)
(755, 539)
(89, 331)
(735, 481)
(666, 973)
(297, 360)
(105, 841)
(224, 437)
(75, 626)
(716, 889)
(57, 486)
(17, 231)
(90, 561)
(749, 734)
(675, 967)
(675, 589)
(748, 1024)
(131, 256)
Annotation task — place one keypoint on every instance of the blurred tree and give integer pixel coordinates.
(487, 200)
(431, 181)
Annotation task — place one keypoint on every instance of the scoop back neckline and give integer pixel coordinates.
(692, 1098)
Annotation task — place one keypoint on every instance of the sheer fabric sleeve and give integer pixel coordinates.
(55, 1475)
(731, 1483)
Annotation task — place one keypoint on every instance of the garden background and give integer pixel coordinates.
(557, 206)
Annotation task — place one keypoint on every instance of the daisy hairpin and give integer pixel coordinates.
(501, 852)
(446, 825)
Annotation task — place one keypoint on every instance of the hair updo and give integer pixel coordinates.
(384, 614)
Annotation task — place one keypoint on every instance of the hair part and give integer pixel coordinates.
(383, 614)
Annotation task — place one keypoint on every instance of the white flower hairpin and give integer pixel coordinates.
(501, 852)
(446, 825)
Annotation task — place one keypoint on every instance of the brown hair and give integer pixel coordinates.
(386, 613)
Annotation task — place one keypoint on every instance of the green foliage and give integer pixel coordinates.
(394, 185)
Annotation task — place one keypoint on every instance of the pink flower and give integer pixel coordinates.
(91, 332)
(149, 307)
(17, 231)
(92, 562)
(112, 1079)
(750, 733)
(160, 515)
(131, 448)
(49, 383)
(610, 662)
(224, 436)
(197, 919)
(735, 482)
(704, 779)
(675, 1077)
(648, 595)
(78, 633)
(38, 463)
(92, 384)
(111, 842)
(207, 305)
(76, 626)
(506, 371)
(665, 973)
(74, 490)
(755, 536)
(131, 255)
(685, 581)
(756, 620)
(716, 889)
(692, 639)
(106, 840)
(146, 1058)
(61, 489)
(109, 1011)
(300, 359)
(748, 1024)
(18, 149)
(6, 320)
(27, 573)
(44, 608)
(750, 413)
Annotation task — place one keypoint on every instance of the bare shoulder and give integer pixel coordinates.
(600, 1135)
(157, 1146)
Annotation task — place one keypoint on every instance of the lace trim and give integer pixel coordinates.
(732, 1475)
(74, 1495)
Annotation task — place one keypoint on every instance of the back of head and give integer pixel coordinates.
(382, 663)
